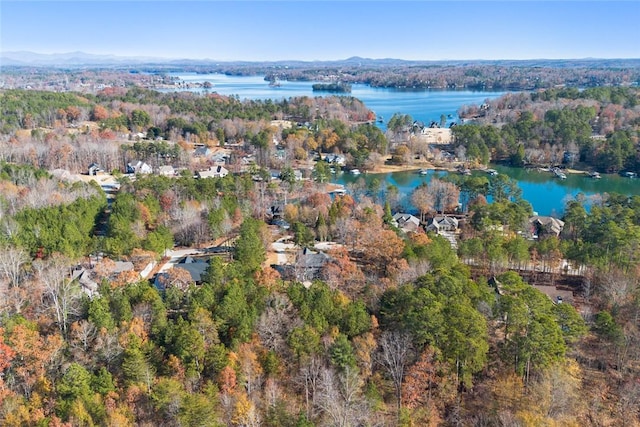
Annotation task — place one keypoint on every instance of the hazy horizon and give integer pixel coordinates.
(324, 30)
(144, 57)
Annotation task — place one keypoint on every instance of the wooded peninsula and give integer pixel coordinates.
(181, 259)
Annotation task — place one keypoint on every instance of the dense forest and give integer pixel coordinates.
(468, 76)
(596, 127)
(389, 73)
(393, 328)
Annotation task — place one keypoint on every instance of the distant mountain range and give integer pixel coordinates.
(23, 58)
(82, 59)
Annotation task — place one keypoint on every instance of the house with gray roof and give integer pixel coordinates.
(406, 222)
(139, 168)
(541, 226)
(202, 151)
(195, 266)
(83, 276)
(442, 223)
(94, 169)
(309, 264)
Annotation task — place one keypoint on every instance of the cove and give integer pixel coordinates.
(547, 194)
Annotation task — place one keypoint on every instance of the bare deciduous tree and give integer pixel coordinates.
(423, 200)
(394, 356)
(61, 294)
(341, 398)
(310, 376)
(618, 286)
(276, 323)
(12, 262)
(12, 271)
(82, 336)
(445, 195)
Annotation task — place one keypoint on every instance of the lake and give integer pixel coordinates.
(547, 194)
(422, 105)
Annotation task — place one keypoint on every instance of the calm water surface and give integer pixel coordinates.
(422, 105)
(547, 194)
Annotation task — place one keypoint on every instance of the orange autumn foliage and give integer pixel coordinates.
(267, 277)
(33, 354)
(342, 273)
(227, 380)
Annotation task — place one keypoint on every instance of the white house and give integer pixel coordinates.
(167, 170)
(335, 159)
(440, 223)
(94, 169)
(139, 168)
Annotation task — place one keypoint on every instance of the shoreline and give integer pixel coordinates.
(454, 166)
(414, 167)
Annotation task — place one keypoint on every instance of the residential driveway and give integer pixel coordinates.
(327, 246)
(177, 255)
(281, 248)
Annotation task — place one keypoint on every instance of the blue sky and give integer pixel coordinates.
(325, 30)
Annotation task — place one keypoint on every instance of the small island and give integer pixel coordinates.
(332, 87)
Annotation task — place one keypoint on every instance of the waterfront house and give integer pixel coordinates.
(277, 174)
(545, 226)
(335, 159)
(406, 222)
(442, 223)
